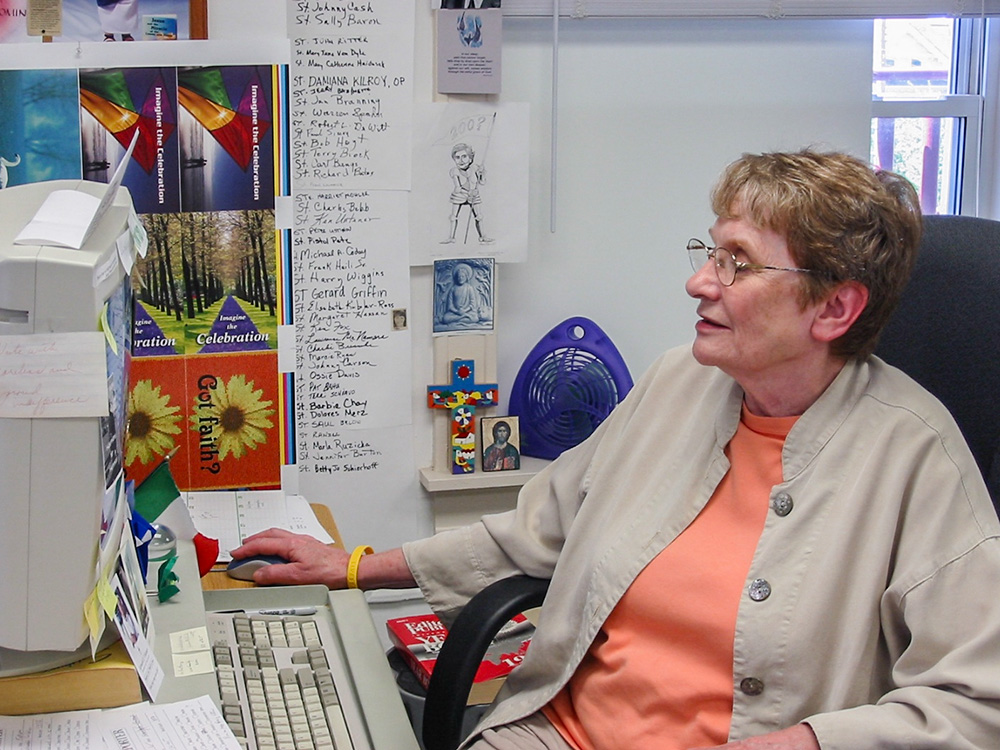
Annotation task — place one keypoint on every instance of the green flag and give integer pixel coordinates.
(156, 492)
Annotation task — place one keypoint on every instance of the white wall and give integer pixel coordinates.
(649, 113)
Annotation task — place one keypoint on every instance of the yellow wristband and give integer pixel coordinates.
(354, 562)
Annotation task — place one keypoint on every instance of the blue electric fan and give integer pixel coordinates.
(566, 387)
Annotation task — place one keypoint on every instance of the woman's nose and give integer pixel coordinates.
(704, 282)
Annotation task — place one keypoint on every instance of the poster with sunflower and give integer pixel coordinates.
(215, 415)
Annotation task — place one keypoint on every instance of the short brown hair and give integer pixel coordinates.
(841, 218)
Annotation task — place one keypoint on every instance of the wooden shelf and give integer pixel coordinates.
(440, 481)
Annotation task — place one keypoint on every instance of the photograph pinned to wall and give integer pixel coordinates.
(399, 319)
(464, 295)
(157, 414)
(115, 103)
(97, 20)
(39, 126)
(470, 182)
(226, 138)
(504, 452)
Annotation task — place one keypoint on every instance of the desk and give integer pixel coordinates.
(217, 578)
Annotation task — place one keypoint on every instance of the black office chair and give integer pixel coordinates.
(945, 334)
(463, 650)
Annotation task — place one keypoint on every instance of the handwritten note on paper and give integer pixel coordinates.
(53, 375)
(70, 730)
(352, 93)
(349, 274)
(195, 723)
(190, 640)
(192, 662)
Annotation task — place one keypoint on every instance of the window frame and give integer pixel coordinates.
(966, 109)
(965, 105)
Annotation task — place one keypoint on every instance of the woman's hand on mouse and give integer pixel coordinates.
(311, 561)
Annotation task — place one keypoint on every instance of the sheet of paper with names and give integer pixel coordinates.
(231, 516)
(195, 723)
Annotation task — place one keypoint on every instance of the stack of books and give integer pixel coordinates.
(107, 681)
(419, 639)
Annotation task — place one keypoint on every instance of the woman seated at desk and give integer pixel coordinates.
(775, 541)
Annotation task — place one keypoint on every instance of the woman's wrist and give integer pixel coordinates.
(383, 570)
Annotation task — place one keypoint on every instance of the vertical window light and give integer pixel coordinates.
(921, 118)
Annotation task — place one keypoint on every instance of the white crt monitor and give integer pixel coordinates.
(55, 471)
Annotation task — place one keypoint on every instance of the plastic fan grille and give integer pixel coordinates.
(568, 385)
(570, 392)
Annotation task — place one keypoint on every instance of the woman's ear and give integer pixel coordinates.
(837, 314)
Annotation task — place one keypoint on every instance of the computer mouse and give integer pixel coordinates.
(243, 569)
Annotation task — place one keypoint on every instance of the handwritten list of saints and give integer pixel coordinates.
(350, 75)
(349, 359)
(352, 85)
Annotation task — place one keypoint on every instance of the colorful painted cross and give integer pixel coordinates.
(462, 396)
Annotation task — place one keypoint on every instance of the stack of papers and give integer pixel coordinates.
(189, 724)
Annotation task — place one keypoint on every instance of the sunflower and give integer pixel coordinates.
(237, 416)
(151, 421)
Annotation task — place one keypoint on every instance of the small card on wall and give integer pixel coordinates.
(469, 42)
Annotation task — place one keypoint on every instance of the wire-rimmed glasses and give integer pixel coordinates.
(726, 265)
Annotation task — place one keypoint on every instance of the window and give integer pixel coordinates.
(927, 107)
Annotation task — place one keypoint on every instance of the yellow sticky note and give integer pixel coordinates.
(95, 620)
(106, 327)
(92, 614)
(186, 641)
(107, 596)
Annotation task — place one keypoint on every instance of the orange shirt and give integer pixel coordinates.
(659, 674)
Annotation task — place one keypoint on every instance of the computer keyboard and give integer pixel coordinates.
(300, 667)
(275, 681)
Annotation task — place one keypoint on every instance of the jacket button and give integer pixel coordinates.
(751, 686)
(759, 589)
(782, 504)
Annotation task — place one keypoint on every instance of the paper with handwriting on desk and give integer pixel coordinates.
(231, 517)
(189, 724)
(53, 375)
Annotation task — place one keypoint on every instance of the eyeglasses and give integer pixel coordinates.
(726, 265)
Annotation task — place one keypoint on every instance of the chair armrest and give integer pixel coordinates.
(468, 639)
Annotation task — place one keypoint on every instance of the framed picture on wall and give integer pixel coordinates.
(501, 440)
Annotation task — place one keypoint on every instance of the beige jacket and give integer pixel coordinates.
(881, 551)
